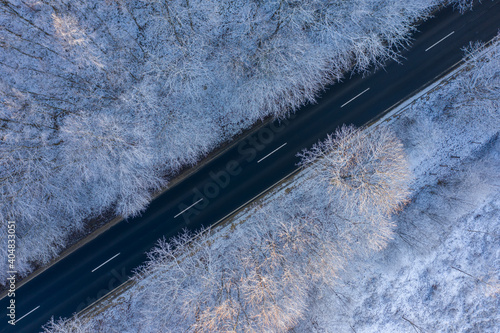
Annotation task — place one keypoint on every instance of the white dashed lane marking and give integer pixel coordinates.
(283, 145)
(104, 263)
(352, 99)
(27, 314)
(439, 41)
(188, 208)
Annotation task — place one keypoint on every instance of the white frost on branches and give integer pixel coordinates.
(367, 169)
(177, 77)
(272, 269)
(259, 279)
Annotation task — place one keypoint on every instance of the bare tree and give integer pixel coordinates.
(74, 325)
(462, 5)
(73, 35)
(368, 169)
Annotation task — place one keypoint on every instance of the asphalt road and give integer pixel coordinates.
(251, 166)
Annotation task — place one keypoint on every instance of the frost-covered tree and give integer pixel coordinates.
(367, 169)
(481, 85)
(261, 280)
(115, 152)
(75, 325)
(257, 285)
(462, 5)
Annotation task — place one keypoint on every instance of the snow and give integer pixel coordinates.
(416, 276)
(163, 84)
(440, 272)
(452, 224)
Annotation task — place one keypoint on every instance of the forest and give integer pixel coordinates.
(102, 102)
(374, 214)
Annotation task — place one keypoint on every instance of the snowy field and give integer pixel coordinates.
(436, 268)
(99, 99)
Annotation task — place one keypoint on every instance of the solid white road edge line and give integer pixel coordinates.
(263, 158)
(352, 99)
(104, 263)
(188, 208)
(27, 314)
(439, 41)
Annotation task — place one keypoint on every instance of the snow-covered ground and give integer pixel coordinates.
(103, 102)
(440, 272)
